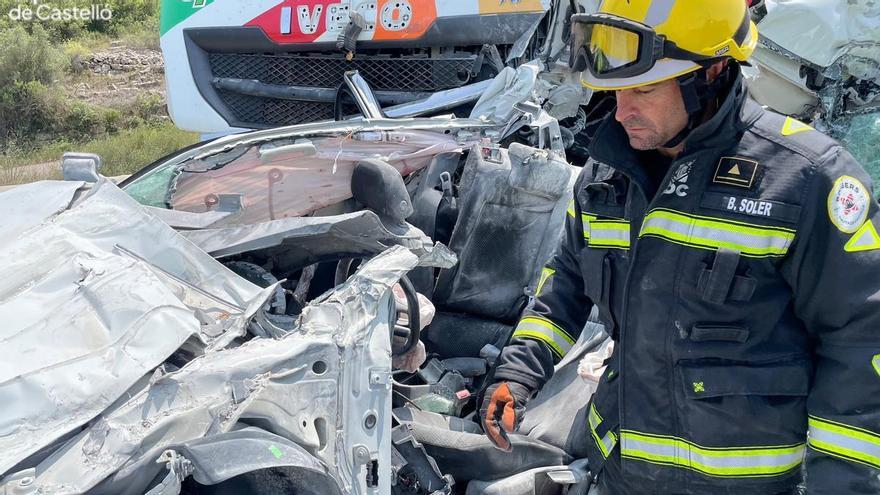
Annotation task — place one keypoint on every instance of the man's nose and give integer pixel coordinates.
(625, 107)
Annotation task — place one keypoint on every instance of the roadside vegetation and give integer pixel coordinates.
(45, 110)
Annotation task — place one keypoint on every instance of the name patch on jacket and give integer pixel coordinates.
(736, 171)
(751, 207)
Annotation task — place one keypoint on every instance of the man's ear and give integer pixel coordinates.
(715, 69)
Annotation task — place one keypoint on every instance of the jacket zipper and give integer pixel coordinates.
(625, 303)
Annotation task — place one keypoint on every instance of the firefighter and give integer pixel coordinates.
(734, 258)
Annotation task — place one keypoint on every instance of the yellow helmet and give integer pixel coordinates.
(631, 43)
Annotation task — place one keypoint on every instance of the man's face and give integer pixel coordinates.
(651, 115)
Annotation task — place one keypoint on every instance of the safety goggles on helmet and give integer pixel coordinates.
(613, 47)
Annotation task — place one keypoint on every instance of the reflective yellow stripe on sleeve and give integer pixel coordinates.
(710, 233)
(546, 273)
(586, 218)
(609, 234)
(606, 442)
(544, 330)
(745, 462)
(570, 210)
(844, 441)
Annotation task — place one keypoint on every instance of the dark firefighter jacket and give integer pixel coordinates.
(743, 300)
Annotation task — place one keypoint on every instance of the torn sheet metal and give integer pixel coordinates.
(28, 205)
(114, 290)
(557, 95)
(218, 458)
(439, 101)
(776, 81)
(824, 32)
(185, 220)
(308, 240)
(519, 47)
(510, 87)
(817, 58)
(325, 386)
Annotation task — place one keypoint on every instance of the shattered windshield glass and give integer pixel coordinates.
(862, 139)
(819, 61)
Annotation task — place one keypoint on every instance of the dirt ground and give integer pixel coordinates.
(116, 77)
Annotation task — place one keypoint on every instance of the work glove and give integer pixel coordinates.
(502, 410)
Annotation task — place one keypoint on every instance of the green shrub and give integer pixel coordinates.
(36, 109)
(76, 54)
(135, 148)
(142, 35)
(113, 121)
(27, 57)
(32, 114)
(126, 14)
(57, 30)
(149, 108)
(81, 121)
(28, 110)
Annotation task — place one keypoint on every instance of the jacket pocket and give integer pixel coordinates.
(597, 269)
(721, 283)
(744, 419)
(720, 380)
(716, 333)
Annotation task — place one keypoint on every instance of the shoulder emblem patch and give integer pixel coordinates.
(865, 239)
(848, 204)
(794, 126)
(736, 171)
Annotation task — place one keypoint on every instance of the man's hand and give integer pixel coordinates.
(502, 410)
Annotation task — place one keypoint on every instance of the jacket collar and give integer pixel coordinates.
(611, 146)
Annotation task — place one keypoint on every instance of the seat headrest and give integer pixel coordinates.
(538, 172)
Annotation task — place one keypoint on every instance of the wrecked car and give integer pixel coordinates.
(256, 311)
(153, 379)
(312, 308)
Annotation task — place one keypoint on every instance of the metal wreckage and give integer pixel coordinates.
(278, 311)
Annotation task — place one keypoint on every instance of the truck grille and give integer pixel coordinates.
(270, 112)
(326, 71)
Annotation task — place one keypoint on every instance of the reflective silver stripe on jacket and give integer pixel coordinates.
(712, 461)
(605, 443)
(544, 330)
(713, 233)
(844, 441)
(609, 234)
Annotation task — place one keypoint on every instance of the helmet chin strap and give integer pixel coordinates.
(697, 92)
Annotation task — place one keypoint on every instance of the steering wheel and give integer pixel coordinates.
(410, 333)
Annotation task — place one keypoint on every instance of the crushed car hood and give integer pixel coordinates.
(145, 375)
(112, 306)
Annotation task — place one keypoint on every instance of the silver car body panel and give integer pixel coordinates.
(114, 290)
(118, 292)
(317, 386)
